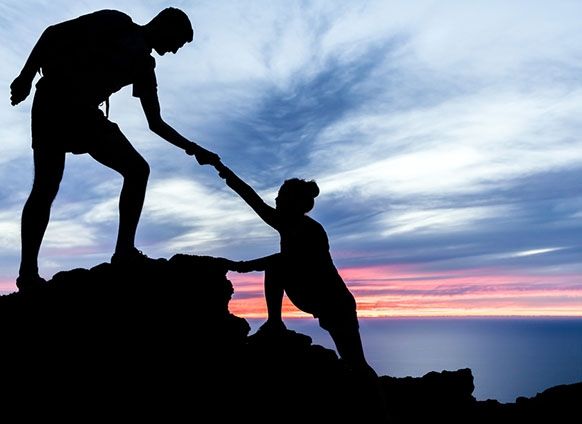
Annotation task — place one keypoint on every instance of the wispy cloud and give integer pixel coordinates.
(445, 137)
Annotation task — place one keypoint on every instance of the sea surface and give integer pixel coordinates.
(509, 357)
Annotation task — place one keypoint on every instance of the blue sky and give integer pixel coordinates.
(445, 137)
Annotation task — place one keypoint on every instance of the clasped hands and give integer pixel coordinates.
(203, 156)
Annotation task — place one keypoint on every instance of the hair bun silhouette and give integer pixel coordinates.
(303, 192)
(312, 189)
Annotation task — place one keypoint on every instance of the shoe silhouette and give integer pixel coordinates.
(130, 257)
(28, 283)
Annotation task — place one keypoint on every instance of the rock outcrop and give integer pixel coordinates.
(157, 342)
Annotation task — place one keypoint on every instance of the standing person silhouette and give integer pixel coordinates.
(303, 268)
(83, 61)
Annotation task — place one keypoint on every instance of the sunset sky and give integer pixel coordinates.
(446, 138)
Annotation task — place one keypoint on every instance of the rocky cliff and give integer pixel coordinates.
(157, 342)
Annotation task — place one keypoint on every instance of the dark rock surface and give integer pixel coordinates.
(157, 342)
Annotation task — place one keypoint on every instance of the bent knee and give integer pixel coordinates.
(45, 189)
(138, 170)
(143, 169)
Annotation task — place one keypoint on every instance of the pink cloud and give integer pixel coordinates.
(7, 287)
(383, 291)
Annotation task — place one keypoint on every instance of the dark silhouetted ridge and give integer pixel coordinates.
(156, 341)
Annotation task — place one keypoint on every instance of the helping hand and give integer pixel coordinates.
(240, 266)
(243, 266)
(19, 89)
(223, 171)
(207, 157)
(203, 156)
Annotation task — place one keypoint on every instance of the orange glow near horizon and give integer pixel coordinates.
(397, 291)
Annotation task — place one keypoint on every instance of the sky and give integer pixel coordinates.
(445, 136)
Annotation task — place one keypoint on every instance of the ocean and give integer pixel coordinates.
(509, 357)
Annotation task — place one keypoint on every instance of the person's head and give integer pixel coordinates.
(296, 196)
(169, 30)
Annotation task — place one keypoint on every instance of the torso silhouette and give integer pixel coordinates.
(91, 57)
(83, 61)
(314, 283)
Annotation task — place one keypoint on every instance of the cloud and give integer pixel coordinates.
(9, 231)
(444, 136)
(208, 219)
(464, 144)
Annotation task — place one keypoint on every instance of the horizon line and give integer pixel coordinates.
(370, 317)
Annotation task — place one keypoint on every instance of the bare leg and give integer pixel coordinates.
(119, 155)
(274, 296)
(48, 172)
(349, 346)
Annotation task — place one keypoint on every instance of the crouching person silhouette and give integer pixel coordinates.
(83, 61)
(304, 269)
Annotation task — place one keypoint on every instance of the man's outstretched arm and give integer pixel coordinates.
(151, 108)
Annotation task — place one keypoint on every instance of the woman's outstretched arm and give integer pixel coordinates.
(266, 212)
(259, 264)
